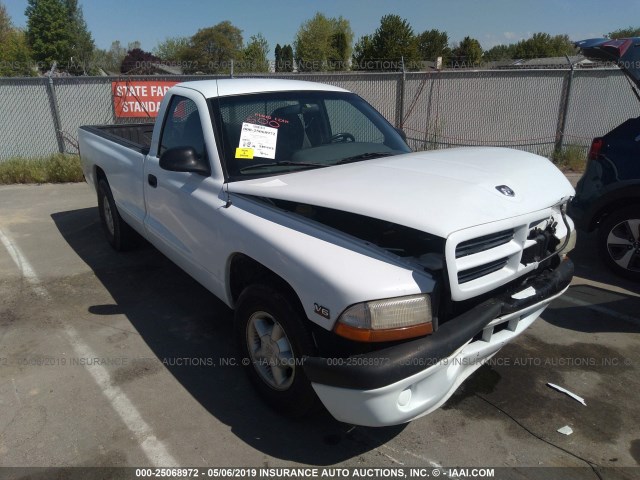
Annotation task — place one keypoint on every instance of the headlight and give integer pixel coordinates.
(385, 320)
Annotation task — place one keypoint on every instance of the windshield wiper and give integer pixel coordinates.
(284, 163)
(364, 156)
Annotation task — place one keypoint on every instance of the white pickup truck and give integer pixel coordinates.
(363, 275)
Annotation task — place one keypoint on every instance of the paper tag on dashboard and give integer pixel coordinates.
(260, 138)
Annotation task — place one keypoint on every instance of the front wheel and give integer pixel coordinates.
(273, 340)
(619, 242)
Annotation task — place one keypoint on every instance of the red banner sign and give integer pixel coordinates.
(140, 98)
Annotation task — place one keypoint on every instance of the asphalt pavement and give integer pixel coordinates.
(110, 359)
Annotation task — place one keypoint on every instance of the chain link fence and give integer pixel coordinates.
(27, 127)
(538, 110)
(505, 108)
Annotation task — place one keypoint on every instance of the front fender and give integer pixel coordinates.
(325, 267)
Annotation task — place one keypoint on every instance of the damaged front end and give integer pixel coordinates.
(471, 265)
(391, 382)
(397, 239)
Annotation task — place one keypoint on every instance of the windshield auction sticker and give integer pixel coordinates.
(244, 153)
(260, 138)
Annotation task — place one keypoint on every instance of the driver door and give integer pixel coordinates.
(181, 207)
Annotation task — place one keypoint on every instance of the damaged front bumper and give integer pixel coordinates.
(400, 383)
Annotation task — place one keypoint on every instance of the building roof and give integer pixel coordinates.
(554, 61)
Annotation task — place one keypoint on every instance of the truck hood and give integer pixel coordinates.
(437, 192)
(624, 51)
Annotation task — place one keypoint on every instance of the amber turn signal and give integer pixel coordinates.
(385, 335)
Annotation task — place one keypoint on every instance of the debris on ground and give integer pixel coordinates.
(571, 394)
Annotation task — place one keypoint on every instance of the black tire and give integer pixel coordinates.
(119, 235)
(289, 391)
(619, 242)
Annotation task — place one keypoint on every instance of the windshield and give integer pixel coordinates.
(280, 132)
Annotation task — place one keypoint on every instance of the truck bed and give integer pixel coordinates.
(136, 136)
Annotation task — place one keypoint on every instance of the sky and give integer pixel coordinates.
(492, 22)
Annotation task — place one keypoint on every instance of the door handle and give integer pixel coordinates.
(153, 180)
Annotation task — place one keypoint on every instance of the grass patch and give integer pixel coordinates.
(571, 158)
(57, 168)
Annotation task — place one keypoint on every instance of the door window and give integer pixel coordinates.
(182, 127)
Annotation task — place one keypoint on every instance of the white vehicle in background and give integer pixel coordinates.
(363, 275)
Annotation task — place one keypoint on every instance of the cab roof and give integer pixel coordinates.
(239, 86)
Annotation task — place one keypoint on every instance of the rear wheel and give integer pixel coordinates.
(119, 235)
(273, 340)
(619, 242)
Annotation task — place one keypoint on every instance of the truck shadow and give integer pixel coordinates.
(190, 331)
(591, 309)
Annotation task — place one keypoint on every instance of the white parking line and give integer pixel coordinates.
(154, 449)
(24, 266)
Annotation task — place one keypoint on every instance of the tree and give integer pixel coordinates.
(255, 55)
(362, 52)
(468, 53)
(139, 62)
(323, 43)
(100, 61)
(212, 49)
(392, 43)
(543, 45)
(625, 33)
(433, 44)
(57, 32)
(286, 56)
(540, 45)
(81, 41)
(562, 45)
(48, 32)
(15, 56)
(116, 55)
(110, 61)
(5, 22)
(172, 49)
(500, 52)
(339, 52)
(278, 54)
(340, 44)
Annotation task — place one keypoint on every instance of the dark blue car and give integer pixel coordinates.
(608, 194)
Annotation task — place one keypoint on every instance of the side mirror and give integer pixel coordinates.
(184, 159)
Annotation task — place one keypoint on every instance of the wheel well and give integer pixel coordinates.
(99, 175)
(244, 271)
(612, 207)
